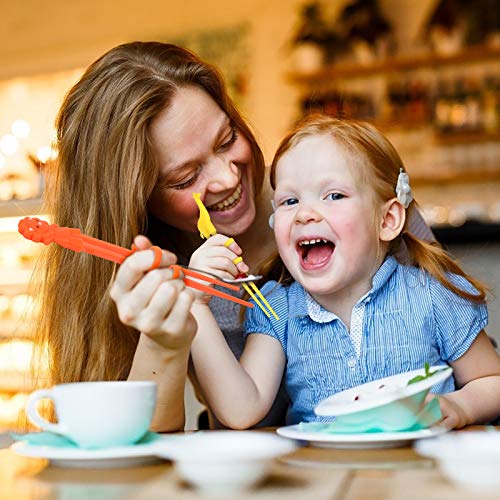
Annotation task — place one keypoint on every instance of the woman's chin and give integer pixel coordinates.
(239, 225)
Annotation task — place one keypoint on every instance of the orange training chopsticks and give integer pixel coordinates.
(40, 231)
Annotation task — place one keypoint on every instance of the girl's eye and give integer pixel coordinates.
(231, 141)
(289, 202)
(334, 196)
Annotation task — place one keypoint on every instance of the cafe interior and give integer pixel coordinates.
(426, 73)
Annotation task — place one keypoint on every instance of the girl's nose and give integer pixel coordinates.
(223, 175)
(307, 214)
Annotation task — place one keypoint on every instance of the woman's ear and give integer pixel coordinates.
(393, 220)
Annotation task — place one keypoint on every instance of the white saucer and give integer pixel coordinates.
(122, 456)
(360, 440)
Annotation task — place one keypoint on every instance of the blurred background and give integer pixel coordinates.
(427, 73)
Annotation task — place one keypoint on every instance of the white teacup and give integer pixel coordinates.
(98, 414)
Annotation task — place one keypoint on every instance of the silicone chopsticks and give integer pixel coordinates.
(40, 231)
(207, 229)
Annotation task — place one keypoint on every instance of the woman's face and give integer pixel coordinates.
(200, 151)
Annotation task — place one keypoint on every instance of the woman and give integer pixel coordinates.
(147, 124)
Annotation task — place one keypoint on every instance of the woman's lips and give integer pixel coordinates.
(236, 210)
(230, 202)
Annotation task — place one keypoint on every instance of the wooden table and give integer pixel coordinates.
(308, 473)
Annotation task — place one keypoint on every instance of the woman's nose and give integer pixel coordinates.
(222, 174)
(306, 213)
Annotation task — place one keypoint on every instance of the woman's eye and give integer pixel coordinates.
(231, 141)
(334, 196)
(185, 184)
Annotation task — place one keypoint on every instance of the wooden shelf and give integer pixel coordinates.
(19, 208)
(465, 137)
(14, 277)
(449, 177)
(14, 329)
(475, 54)
(14, 381)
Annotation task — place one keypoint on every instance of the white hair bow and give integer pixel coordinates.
(403, 189)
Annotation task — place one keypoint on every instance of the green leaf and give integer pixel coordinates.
(428, 374)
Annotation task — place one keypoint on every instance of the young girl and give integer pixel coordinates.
(349, 311)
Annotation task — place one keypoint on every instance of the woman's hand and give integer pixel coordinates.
(151, 301)
(216, 258)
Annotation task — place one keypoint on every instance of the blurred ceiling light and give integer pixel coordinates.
(21, 129)
(46, 153)
(9, 145)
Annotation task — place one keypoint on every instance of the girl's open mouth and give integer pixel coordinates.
(315, 253)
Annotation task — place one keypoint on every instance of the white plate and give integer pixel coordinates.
(360, 440)
(379, 392)
(122, 456)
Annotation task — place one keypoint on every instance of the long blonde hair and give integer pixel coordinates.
(101, 183)
(377, 164)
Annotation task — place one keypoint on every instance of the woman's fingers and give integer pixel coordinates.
(142, 242)
(180, 317)
(131, 303)
(152, 316)
(134, 268)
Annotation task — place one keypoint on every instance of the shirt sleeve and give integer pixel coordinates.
(458, 320)
(256, 320)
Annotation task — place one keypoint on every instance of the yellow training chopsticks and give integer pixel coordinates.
(207, 229)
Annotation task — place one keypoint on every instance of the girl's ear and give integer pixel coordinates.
(393, 220)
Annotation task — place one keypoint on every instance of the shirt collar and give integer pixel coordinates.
(306, 305)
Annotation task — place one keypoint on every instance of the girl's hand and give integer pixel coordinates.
(454, 416)
(151, 301)
(216, 258)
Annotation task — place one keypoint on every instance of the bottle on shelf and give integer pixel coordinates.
(442, 106)
(490, 105)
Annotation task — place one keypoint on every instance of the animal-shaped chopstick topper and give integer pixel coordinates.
(207, 229)
(205, 226)
(40, 231)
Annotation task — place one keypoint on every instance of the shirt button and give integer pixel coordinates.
(351, 363)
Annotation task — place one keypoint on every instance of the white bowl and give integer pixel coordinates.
(388, 404)
(469, 458)
(226, 461)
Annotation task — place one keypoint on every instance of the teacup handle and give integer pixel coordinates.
(36, 418)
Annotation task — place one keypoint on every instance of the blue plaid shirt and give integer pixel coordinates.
(406, 319)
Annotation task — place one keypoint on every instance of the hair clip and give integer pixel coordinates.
(403, 189)
(271, 217)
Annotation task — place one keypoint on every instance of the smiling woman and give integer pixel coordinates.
(199, 149)
(147, 124)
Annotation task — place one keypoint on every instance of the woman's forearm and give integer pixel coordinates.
(168, 368)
